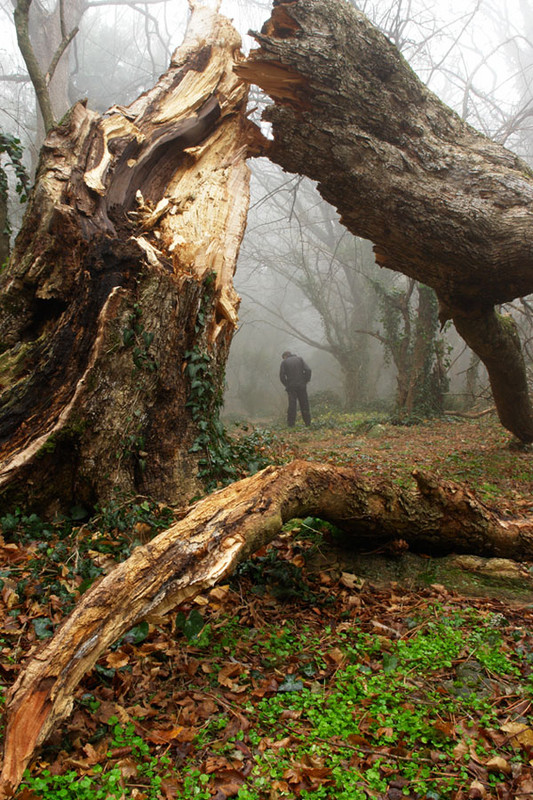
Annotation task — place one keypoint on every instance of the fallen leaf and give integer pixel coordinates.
(200, 600)
(477, 791)
(459, 751)
(93, 756)
(171, 788)
(518, 732)
(128, 768)
(9, 596)
(143, 531)
(164, 735)
(446, 728)
(228, 674)
(526, 787)
(117, 660)
(336, 655)
(108, 709)
(219, 592)
(12, 553)
(498, 764)
(26, 794)
(351, 581)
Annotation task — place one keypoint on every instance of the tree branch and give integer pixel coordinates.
(495, 340)
(40, 84)
(14, 78)
(58, 53)
(131, 3)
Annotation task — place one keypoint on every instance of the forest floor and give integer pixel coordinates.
(308, 675)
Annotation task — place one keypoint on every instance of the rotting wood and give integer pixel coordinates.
(134, 225)
(206, 545)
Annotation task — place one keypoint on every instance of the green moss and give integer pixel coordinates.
(13, 362)
(508, 327)
(75, 428)
(48, 447)
(66, 436)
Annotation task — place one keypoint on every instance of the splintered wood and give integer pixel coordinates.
(136, 214)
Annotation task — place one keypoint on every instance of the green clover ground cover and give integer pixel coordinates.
(326, 701)
(288, 683)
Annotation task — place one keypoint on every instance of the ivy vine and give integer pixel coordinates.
(221, 460)
(402, 327)
(11, 147)
(135, 335)
(138, 339)
(205, 399)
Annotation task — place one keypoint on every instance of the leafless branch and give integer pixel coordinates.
(15, 78)
(38, 80)
(59, 52)
(131, 3)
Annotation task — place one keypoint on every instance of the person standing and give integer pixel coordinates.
(295, 375)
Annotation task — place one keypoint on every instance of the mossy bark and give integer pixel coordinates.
(136, 217)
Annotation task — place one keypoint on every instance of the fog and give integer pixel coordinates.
(306, 284)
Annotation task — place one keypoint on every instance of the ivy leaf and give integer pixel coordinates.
(128, 337)
(79, 513)
(190, 625)
(137, 634)
(390, 663)
(42, 627)
(9, 523)
(291, 684)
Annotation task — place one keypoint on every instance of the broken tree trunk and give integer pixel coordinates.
(441, 202)
(119, 293)
(204, 547)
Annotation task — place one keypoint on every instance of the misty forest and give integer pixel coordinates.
(266, 421)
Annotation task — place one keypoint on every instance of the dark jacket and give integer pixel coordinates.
(294, 372)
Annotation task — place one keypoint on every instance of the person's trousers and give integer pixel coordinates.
(298, 395)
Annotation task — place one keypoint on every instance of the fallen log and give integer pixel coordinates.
(206, 545)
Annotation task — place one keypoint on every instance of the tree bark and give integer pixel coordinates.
(442, 203)
(37, 76)
(494, 338)
(204, 547)
(120, 278)
(4, 219)
(425, 389)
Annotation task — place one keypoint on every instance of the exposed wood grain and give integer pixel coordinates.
(135, 224)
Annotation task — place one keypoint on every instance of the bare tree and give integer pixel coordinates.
(43, 39)
(45, 33)
(294, 240)
(10, 156)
